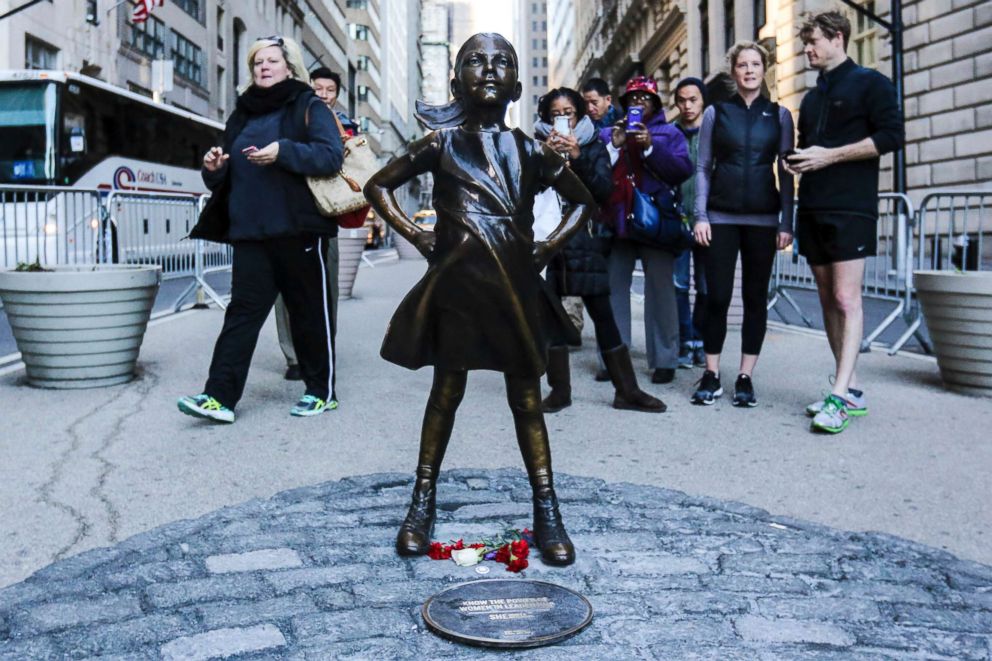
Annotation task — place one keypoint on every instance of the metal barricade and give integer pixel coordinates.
(208, 258)
(149, 228)
(52, 225)
(888, 274)
(953, 230)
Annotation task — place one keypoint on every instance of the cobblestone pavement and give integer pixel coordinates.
(311, 573)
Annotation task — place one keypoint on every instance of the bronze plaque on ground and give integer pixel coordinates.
(507, 613)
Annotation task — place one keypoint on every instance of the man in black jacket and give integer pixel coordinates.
(846, 123)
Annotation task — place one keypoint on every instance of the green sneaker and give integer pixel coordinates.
(205, 406)
(833, 417)
(855, 401)
(310, 405)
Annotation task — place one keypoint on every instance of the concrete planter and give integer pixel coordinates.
(958, 311)
(80, 326)
(351, 244)
(405, 249)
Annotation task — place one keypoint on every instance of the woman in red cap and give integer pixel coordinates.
(657, 154)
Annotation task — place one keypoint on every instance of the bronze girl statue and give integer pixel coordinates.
(481, 304)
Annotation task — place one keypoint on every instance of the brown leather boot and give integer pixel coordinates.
(414, 537)
(549, 531)
(560, 380)
(628, 395)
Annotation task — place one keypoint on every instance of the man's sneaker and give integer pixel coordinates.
(685, 357)
(744, 392)
(855, 402)
(709, 389)
(699, 356)
(833, 417)
(205, 406)
(310, 405)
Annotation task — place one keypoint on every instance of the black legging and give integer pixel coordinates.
(601, 313)
(757, 249)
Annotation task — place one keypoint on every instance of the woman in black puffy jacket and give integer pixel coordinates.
(580, 269)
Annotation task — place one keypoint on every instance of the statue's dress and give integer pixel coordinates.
(482, 303)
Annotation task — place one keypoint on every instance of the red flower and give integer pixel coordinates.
(439, 552)
(503, 554)
(517, 564)
(520, 548)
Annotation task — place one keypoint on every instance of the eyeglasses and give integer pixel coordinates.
(276, 38)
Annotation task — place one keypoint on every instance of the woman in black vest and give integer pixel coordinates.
(279, 134)
(739, 210)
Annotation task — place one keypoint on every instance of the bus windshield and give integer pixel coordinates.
(27, 133)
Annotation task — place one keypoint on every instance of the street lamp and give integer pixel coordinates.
(895, 28)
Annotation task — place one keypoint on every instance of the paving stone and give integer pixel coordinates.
(312, 577)
(30, 648)
(239, 613)
(253, 560)
(121, 636)
(353, 625)
(223, 643)
(64, 614)
(312, 573)
(842, 610)
(762, 629)
(170, 595)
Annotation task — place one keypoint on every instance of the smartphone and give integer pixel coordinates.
(634, 116)
(249, 150)
(561, 125)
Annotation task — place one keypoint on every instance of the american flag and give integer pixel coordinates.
(141, 9)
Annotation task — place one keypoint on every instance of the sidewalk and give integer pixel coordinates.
(86, 469)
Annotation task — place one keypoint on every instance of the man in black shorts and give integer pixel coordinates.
(846, 122)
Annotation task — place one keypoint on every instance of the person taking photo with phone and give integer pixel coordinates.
(655, 153)
(739, 211)
(278, 134)
(580, 268)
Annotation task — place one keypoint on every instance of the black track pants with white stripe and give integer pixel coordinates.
(296, 268)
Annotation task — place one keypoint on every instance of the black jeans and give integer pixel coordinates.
(756, 246)
(294, 267)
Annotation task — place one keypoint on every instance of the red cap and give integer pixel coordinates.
(641, 84)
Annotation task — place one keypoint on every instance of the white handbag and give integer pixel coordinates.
(341, 193)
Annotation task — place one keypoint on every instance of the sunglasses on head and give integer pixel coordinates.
(276, 38)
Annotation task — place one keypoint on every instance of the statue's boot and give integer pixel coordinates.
(414, 537)
(559, 378)
(628, 395)
(549, 531)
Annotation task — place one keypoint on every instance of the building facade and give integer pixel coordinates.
(208, 40)
(532, 49)
(947, 61)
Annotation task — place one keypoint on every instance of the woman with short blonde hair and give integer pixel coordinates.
(279, 134)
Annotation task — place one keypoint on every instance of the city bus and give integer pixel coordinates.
(66, 130)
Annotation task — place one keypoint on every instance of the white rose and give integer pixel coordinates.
(466, 557)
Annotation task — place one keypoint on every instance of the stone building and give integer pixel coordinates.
(208, 40)
(948, 65)
(532, 49)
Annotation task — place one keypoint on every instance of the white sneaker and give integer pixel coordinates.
(856, 403)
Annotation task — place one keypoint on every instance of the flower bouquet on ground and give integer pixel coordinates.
(511, 548)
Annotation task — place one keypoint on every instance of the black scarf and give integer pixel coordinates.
(262, 100)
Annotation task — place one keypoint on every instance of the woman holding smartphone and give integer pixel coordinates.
(739, 210)
(580, 269)
(655, 153)
(278, 134)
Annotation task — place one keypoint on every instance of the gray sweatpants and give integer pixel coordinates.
(661, 316)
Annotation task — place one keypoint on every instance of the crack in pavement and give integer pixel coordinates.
(143, 385)
(45, 491)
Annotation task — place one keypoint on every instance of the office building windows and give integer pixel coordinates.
(39, 55)
(188, 59)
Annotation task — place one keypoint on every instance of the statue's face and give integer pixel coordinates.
(487, 73)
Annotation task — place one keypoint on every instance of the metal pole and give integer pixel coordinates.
(895, 30)
(899, 158)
